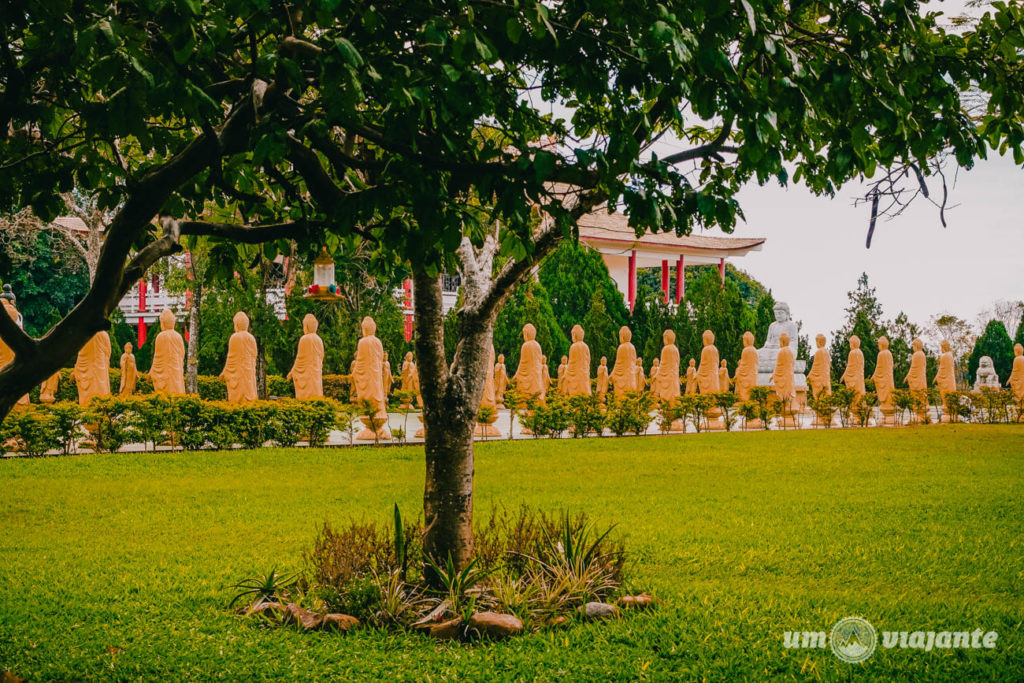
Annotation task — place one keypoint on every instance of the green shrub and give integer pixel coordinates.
(957, 405)
(865, 407)
(34, 432)
(279, 387)
(585, 415)
(189, 422)
(107, 421)
(211, 388)
(67, 417)
(149, 417)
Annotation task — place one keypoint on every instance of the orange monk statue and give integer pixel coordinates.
(641, 380)
(624, 373)
(884, 382)
(746, 371)
(577, 371)
(665, 384)
(945, 376)
(368, 381)
(307, 373)
(48, 390)
(487, 399)
(1016, 382)
(92, 369)
(783, 378)
(500, 381)
(410, 381)
(707, 371)
(820, 376)
(723, 376)
(917, 379)
(560, 377)
(386, 377)
(168, 369)
(239, 371)
(691, 377)
(129, 372)
(602, 379)
(853, 376)
(6, 354)
(529, 375)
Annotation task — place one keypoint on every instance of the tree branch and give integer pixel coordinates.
(14, 336)
(252, 234)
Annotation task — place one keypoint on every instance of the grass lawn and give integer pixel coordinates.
(743, 535)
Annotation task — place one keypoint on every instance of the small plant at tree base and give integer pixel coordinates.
(456, 583)
(271, 587)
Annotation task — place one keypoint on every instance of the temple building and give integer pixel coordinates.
(624, 253)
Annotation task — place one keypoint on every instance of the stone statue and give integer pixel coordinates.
(945, 377)
(783, 376)
(917, 379)
(560, 381)
(884, 382)
(691, 377)
(602, 378)
(129, 372)
(92, 369)
(820, 376)
(853, 376)
(665, 383)
(529, 375)
(746, 372)
(641, 380)
(239, 371)
(1016, 382)
(767, 354)
(545, 373)
(986, 375)
(368, 380)
(386, 377)
(48, 390)
(307, 372)
(410, 381)
(707, 371)
(624, 373)
(655, 368)
(6, 354)
(168, 369)
(577, 371)
(723, 376)
(352, 368)
(500, 380)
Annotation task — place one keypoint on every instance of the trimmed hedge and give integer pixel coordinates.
(188, 422)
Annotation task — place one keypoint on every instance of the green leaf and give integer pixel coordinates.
(750, 15)
(514, 30)
(348, 51)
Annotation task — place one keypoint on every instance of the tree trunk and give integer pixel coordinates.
(192, 360)
(451, 399)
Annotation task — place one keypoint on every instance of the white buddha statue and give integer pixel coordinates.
(768, 354)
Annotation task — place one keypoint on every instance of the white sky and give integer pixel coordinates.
(815, 251)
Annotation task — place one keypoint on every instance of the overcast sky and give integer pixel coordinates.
(815, 251)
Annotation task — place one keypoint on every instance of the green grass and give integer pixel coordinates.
(743, 535)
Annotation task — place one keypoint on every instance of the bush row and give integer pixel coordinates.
(107, 424)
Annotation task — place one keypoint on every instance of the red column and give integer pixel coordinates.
(680, 279)
(407, 302)
(664, 278)
(632, 280)
(142, 332)
(142, 296)
(721, 269)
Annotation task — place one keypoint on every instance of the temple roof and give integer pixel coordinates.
(603, 227)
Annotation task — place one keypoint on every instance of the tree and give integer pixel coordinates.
(995, 343)
(601, 332)
(961, 337)
(570, 275)
(426, 129)
(1019, 339)
(863, 319)
(529, 304)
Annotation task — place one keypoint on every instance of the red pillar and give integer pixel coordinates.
(680, 279)
(632, 280)
(664, 278)
(142, 296)
(721, 269)
(407, 302)
(142, 332)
